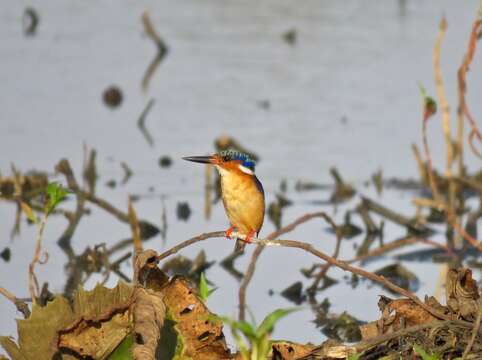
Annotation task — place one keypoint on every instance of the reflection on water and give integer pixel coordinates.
(305, 85)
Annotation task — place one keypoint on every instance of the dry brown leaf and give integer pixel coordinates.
(149, 315)
(398, 314)
(462, 293)
(102, 321)
(97, 340)
(370, 330)
(330, 349)
(201, 337)
(286, 350)
(37, 335)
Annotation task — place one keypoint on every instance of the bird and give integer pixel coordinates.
(241, 191)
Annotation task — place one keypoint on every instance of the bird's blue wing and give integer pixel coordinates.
(258, 184)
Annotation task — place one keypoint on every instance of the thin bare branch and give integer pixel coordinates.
(259, 249)
(19, 304)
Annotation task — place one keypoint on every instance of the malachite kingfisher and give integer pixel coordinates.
(241, 191)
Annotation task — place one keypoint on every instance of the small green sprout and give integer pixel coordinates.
(204, 290)
(55, 194)
(257, 336)
(429, 104)
(423, 354)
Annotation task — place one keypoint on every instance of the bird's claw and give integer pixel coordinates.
(229, 232)
(249, 237)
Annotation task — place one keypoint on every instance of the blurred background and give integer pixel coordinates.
(305, 85)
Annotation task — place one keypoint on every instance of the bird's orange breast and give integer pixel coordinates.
(243, 201)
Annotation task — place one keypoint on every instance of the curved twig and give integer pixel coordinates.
(259, 249)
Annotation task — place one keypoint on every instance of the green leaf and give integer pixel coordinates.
(423, 354)
(124, 350)
(353, 357)
(204, 290)
(271, 319)
(429, 104)
(55, 194)
(246, 328)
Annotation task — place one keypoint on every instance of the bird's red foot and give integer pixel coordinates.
(249, 237)
(229, 232)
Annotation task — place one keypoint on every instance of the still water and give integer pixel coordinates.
(345, 94)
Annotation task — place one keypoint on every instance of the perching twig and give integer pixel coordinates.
(179, 247)
(330, 260)
(259, 249)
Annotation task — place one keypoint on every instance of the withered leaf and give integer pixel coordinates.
(38, 335)
(287, 350)
(199, 336)
(149, 315)
(101, 321)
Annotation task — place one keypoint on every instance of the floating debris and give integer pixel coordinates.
(165, 161)
(343, 327)
(264, 104)
(162, 50)
(291, 37)
(163, 229)
(294, 293)
(183, 211)
(347, 230)
(275, 209)
(400, 276)
(127, 173)
(377, 179)
(6, 254)
(90, 174)
(113, 96)
(111, 183)
(283, 186)
(397, 218)
(141, 122)
(30, 21)
(342, 191)
(302, 185)
(192, 269)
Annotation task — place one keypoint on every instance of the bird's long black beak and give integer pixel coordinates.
(200, 159)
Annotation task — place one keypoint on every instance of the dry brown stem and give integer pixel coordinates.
(136, 232)
(475, 330)
(33, 285)
(462, 73)
(19, 304)
(441, 95)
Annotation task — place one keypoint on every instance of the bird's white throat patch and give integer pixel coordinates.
(246, 170)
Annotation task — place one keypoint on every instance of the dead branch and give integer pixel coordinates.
(19, 304)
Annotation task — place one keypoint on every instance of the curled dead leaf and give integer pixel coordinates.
(149, 315)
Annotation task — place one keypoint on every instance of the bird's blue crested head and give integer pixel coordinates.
(244, 159)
